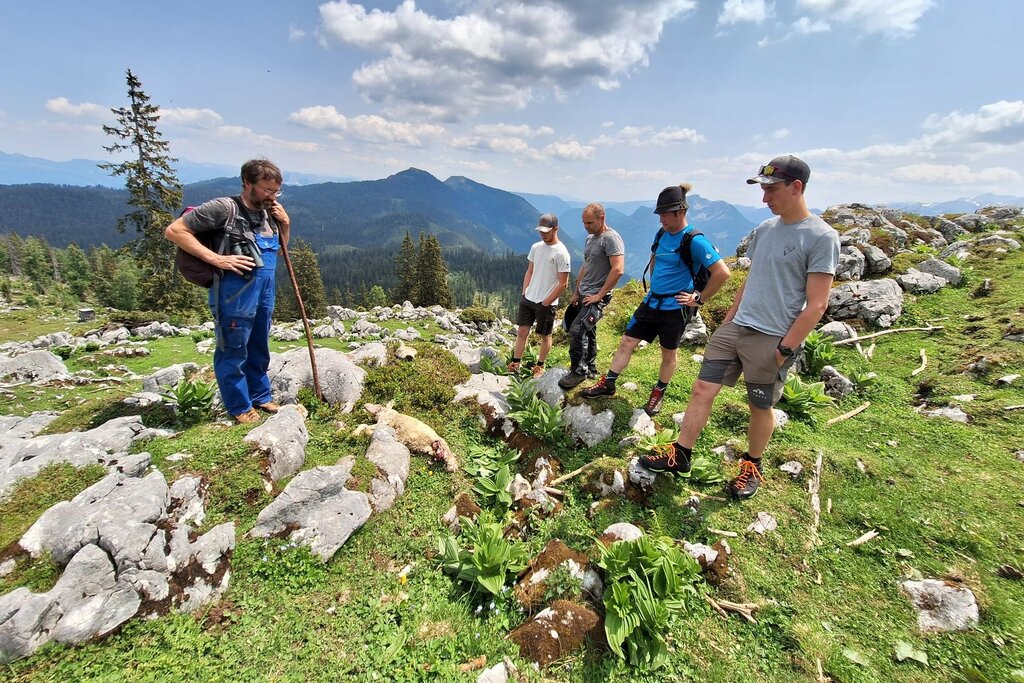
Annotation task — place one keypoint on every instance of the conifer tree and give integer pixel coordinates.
(433, 274)
(155, 195)
(36, 263)
(75, 267)
(311, 285)
(14, 253)
(376, 297)
(405, 268)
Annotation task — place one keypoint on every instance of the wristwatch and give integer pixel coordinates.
(786, 351)
(695, 297)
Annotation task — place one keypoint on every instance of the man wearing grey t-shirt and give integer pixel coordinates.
(793, 261)
(603, 265)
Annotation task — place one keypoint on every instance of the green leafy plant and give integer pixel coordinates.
(477, 314)
(798, 399)
(283, 564)
(493, 488)
(64, 352)
(194, 399)
(863, 380)
(649, 583)
(492, 364)
(562, 583)
(486, 560)
(484, 461)
(199, 335)
(819, 351)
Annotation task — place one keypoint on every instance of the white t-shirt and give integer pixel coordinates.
(548, 261)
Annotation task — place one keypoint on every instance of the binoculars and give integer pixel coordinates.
(243, 247)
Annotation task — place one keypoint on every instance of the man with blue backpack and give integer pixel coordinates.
(681, 259)
(247, 232)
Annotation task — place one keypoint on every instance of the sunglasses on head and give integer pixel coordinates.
(775, 172)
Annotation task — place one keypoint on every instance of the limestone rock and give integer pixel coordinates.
(942, 606)
(283, 440)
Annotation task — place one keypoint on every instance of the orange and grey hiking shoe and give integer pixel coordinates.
(750, 477)
(268, 407)
(248, 417)
(653, 406)
(667, 457)
(538, 370)
(513, 367)
(604, 387)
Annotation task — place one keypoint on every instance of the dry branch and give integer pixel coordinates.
(854, 340)
(812, 486)
(567, 477)
(920, 368)
(720, 532)
(1014, 407)
(864, 539)
(744, 609)
(846, 416)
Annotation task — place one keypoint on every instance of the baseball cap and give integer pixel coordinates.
(547, 222)
(780, 169)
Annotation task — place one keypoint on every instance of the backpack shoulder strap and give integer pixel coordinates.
(650, 263)
(684, 249)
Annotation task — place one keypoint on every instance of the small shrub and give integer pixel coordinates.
(649, 583)
(562, 584)
(477, 314)
(487, 560)
(91, 347)
(798, 399)
(63, 351)
(863, 380)
(819, 351)
(200, 335)
(194, 399)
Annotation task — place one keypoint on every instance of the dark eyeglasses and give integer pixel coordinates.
(775, 172)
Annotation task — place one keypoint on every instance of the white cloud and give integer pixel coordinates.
(636, 136)
(736, 11)
(894, 18)
(1000, 122)
(781, 134)
(495, 55)
(62, 106)
(368, 128)
(475, 165)
(568, 151)
(295, 34)
(954, 174)
(805, 26)
(512, 130)
(193, 118)
(631, 174)
(249, 136)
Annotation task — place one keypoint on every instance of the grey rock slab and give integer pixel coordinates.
(838, 330)
(341, 380)
(168, 378)
(623, 531)
(941, 606)
(283, 439)
(918, 282)
(950, 413)
(640, 476)
(34, 366)
(934, 266)
(879, 302)
(589, 428)
(92, 598)
(393, 459)
(186, 496)
(764, 524)
(837, 385)
(26, 622)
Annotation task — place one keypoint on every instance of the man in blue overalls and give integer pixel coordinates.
(242, 298)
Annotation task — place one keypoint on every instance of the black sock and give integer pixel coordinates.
(661, 385)
(611, 376)
(680, 448)
(539, 364)
(516, 360)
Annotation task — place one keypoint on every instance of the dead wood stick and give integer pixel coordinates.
(552, 491)
(707, 495)
(854, 340)
(864, 539)
(720, 532)
(920, 368)
(567, 477)
(846, 416)
(1014, 407)
(744, 609)
(813, 486)
(822, 678)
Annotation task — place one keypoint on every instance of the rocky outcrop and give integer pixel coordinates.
(34, 366)
(283, 440)
(877, 302)
(341, 380)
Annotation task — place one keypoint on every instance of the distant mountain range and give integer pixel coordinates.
(76, 201)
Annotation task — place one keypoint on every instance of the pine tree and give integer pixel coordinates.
(433, 274)
(376, 297)
(103, 262)
(36, 263)
(154, 193)
(405, 269)
(311, 285)
(336, 297)
(75, 266)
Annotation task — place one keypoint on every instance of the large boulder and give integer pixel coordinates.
(878, 302)
(283, 440)
(916, 282)
(341, 380)
(34, 366)
(934, 266)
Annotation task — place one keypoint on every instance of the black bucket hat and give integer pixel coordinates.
(672, 198)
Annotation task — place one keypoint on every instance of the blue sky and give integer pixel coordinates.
(887, 100)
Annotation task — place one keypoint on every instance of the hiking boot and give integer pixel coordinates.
(604, 387)
(248, 417)
(513, 367)
(653, 406)
(667, 458)
(571, 380)
(538, 370)
(268, 407)
(746, 482)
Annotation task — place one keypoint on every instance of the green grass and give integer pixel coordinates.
(942, 495)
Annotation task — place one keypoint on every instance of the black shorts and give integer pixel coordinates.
(648, 323)
(530, 312)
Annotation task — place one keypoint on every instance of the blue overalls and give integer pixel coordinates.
(244, 308)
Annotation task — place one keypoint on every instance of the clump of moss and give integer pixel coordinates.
(477, 314)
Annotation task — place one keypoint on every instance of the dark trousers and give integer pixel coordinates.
(583, 338)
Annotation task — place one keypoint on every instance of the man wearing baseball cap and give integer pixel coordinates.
(546, 278)
(664, 311)
(793, 259)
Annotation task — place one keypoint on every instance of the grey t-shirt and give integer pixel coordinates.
(781, 255)
(595, 260)
(211, 215)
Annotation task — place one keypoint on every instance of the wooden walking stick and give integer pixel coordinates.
(305, 322)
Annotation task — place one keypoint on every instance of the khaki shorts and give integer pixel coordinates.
(733, 350)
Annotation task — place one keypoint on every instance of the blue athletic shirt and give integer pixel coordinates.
(670, 274)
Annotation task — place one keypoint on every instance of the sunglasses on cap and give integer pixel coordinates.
(775, 172)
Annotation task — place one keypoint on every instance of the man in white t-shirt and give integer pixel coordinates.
(546, 278)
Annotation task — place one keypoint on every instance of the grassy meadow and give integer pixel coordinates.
(945, 498)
